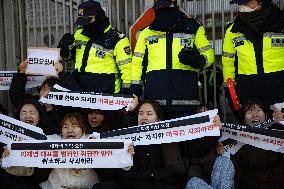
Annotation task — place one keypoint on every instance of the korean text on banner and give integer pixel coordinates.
(70, 153)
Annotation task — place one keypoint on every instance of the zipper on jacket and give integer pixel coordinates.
(169, 67)
(258, 50)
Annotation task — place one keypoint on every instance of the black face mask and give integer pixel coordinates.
(255, 20)
(166, 19)
(96, 28)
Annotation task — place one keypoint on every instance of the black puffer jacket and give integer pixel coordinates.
(148, 170)
(258, 169)
(53, 117)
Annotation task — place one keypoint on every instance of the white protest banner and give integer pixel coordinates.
(267, 139)
(7, 76)
(42, 60)
(280, 106)
(175, 130)
(59, 96)
(70, 153)
(15, 130)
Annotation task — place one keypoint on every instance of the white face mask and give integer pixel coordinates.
(244, 8)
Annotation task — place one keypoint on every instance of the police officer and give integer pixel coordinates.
(102, 55)
(174, 48)
(253, 51)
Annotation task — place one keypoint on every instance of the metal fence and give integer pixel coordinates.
(41, 23)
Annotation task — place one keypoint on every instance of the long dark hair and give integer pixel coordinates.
(108, 123)
(157, 108)
(245, 106)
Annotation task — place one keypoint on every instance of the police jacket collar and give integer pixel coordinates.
(274, 23)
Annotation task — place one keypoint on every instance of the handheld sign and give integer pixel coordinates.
(7, 76)
(69, 153)
(64, 97)
(15, 130)
(174, 130)
(267, 139)
(42, 60)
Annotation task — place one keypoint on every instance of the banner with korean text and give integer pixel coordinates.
(7, 76)
(267, 139)
(15, 130)
(42, 60)
(174, 130)
(69, 153)
(65, 97)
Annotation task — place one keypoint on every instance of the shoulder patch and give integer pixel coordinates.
(127, 50)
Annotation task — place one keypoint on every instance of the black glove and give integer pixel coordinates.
(192, 58)
(66, 40)
(136, 89)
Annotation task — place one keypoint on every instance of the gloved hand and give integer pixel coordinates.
(66, 40)
(192, 58)
(136, 89)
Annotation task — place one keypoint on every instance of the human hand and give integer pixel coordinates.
(131, 149)
(58, 67)
(66, 40)
(134, 103)
(217, 122)
(23, 66)
(191, 57)
(6, 152)
(220, 148)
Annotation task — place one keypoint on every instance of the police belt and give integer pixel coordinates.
(179, 102)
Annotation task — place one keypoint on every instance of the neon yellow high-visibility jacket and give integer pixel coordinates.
(256, 61)
(102, 63)
(166, 79)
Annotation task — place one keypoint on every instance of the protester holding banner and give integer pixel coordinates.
(72, 127)
(148, 170)
(258, 168)
(32, 113)
(198, 161)
(18, 94)
(101, 53)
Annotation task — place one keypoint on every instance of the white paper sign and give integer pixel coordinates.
(175, 130)
(42, 60)
(15, 130)
(60, 96)
(71, 153)
(7, 76)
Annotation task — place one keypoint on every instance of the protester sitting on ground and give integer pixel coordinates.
(258, 168)
(32, 113)
(72, 127)
(197, 160)
(17, 94)
(148, 170)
